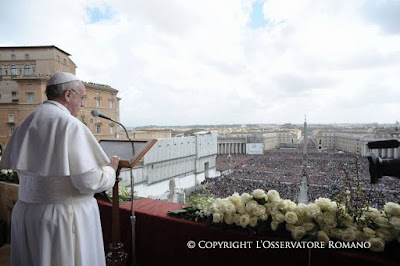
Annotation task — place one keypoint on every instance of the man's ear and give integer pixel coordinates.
(67, 95)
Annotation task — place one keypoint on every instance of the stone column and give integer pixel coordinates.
(390, 153)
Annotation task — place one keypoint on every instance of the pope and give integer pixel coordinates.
(60, 166)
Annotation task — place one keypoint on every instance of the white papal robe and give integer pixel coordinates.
(60, 166)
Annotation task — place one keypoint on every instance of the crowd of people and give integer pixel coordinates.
(327, 173)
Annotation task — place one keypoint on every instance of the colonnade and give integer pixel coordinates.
(231, 148)
(383, 153)
(387, 153)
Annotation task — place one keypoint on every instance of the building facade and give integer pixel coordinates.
(354, 143)
(146, 134)
(187, 161)
(24, 72)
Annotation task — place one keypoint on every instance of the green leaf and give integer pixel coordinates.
(177, 212)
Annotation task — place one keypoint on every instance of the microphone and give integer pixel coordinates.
(97, 113)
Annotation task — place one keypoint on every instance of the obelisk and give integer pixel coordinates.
(305, 143)
(303, 188)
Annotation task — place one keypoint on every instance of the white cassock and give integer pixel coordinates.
(60, 166)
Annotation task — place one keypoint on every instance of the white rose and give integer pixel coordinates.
(368, 233)
(322, 237)
(235, 198)
(279, 217)
(377, 244)
(348, 235)
(217, 217)
(259, 210)
(268, 208)
(251, 205)
(229, 207)
(291, 217)
(273, 195)
(359, 236)
(274, 209)
(228, 218)
(236, 219)
(290, 205)
(320, 219)
(313, 210)
(309, 226)
(253, 221)
(259, 194)
(274, 225)
(303, 219)
(240, 208)
(395, 222)
(392, 209)
(264, 217)
(244, 220)
(298, 232)
(332, 207)
(290, 227)
(301, 209)
(337, 233)
(384, 234)
(245, 197)
(372, 212)
(329, 219)
(215, 207)
(381, 221)
(329, 230)
(323, 203)
(286, 205)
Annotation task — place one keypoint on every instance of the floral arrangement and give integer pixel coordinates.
(324, 220)
(124, 194)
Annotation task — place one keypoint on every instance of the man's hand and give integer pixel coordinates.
(114, 160)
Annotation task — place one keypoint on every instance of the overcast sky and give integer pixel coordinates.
(183, 62)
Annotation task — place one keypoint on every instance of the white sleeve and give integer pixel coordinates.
(94, 181)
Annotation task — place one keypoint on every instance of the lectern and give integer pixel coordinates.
(130, 152)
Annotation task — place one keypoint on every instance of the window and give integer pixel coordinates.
(83, 99)
(12, 127)
(11, 118)
(98, 128)
(1, 71)
(91, 120)
(111, 104)
(13, 93)
(26, 56)
(65, 61)
(29, 97)
(27, 70)
(111, 129)
(58, 58)
(13, 70)
(98, 102)
(13, 57)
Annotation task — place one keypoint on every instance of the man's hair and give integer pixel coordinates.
(56, 91)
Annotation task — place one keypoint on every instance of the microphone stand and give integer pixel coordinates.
(133, 217)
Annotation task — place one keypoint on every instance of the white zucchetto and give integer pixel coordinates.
(60, 78)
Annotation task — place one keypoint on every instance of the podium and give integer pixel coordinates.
(130, 153)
